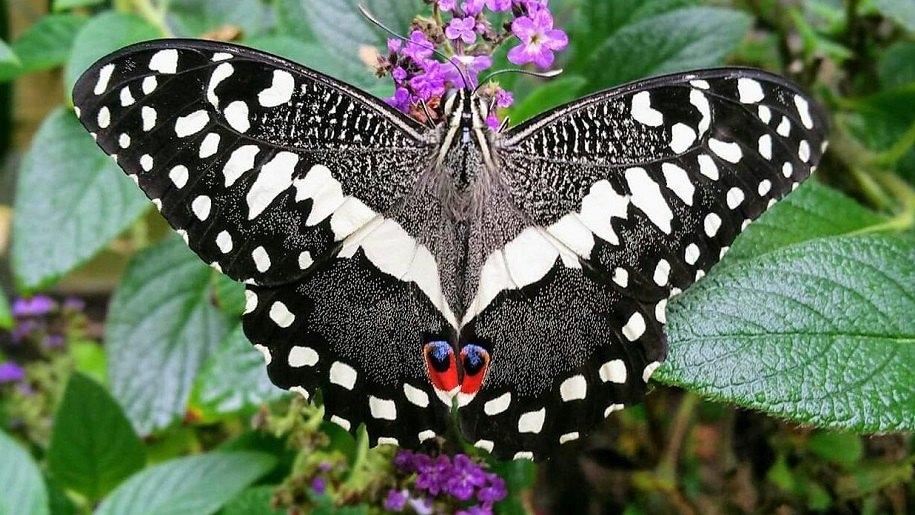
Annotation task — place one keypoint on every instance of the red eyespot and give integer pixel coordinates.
(441, 366)
(474, 363)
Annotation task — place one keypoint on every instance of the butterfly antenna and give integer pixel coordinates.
(365, 12)
(542, 75)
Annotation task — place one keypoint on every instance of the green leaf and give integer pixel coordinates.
(229, 294)
(693, 37)
(10, 66)
(193, 18)
(813, 211)
(234, 378)
(820, 332)
(89, 358)
(551, 94)
(93, 448)
(22, 490)
(104, 34)
(161, 328)
(901, 11)
(837, 447)
(71, 201)
(343, 31)
(253, 501)
(292, 21)
(60, 5)
(47, 43)
(897, 65)
(196, 485)
(6, 316)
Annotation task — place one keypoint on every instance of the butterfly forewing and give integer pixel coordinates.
(634, 193)
(286, 179)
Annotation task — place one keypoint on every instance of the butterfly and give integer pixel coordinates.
(519, 276)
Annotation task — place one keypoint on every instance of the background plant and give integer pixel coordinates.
(147, 398)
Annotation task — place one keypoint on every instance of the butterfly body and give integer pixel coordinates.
(522, 275)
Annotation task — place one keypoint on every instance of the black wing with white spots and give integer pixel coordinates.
(283, 178)
(628, 196)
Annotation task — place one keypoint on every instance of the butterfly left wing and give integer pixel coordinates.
(287, 179)
(621, 200)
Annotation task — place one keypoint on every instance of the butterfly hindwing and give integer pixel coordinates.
(630, 196)
(288, 180)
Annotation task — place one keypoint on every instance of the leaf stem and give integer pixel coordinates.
(153, 14)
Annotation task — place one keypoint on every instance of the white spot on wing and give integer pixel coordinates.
(787, 169)
(148, 114)
(662, 273)
(765, 146)
(224, 242)
(611, 408)
(146, 162)
(613, 372)
(523, 455)
(280, 90)
(302, 357)
(646, 195)
(416, 396)
(301, 391)
(241, 160)
(599, 207)
(735, 197)
(711, 224)
(643, 112)
(428, 434)
(573, 388)
(281, 315)
(765, 114)
(803, 110)
(325, 192)
(236, 114)
(764, 187)
(803, 151)
(382, 408)
(568, 437)
(250, 301)
(264, 352)
(635, 327)
(784, 127)
(104, 74)
(342, 422)
(649, 370)
(305, 260)
(729, 151)
(192, 123)
(164, 61)
(486, 445)
(678, 181)
(179, 176)
(532, 421)
(274, 178)
(126, 97)
(700, 101)
(707, 166)
(201, 207)
(691, 255)
(498, 405)
(682, 137)
(221, 73)
(343, 375)
(209, 146)
(104, 117)
(621, 277)
(660, 311)
(261, 259)
(149, 84)
(749, 90)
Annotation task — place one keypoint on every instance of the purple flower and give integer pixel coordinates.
(499, 5)
(404, 461)
(463, 29)
(504, 98)
(399, 74)
(36, 306)
(471, 65)
(396, 500)
(421, 506)
(538, 39)
(447, 5)
(11, 372)
(418, 48)
(74, 304)
(394, 45)
(25, 328)
(54, 341)
(434, 477)
(400, 100)
(493, 491)
(319, 485)
(473, 7)
(466, 476)
(430, 83)
(492, 121)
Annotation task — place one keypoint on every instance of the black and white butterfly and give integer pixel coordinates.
(522, 276)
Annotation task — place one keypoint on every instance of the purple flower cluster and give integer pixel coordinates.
(462, 33)
(442, 478)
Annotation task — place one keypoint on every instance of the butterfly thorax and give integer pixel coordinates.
(465, 161)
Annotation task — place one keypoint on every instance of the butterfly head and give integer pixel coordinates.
(465, 111)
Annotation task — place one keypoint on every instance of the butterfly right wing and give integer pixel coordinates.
(285, 179)
(619, 201)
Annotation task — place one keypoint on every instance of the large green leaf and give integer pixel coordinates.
(60, 5)
(813, 211)
(102, 35)
(819, 332)
(93, 447)
(10, 66)
(253, 501)
(6, 316)
(197, 485)
(343, 31)
(161, 328)
(22, 490)
(692, 37)
(71, 201)
(896, 66)
(551, 94)
(193, 18)
(903, 11)
(47, 43)
(234, 378)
